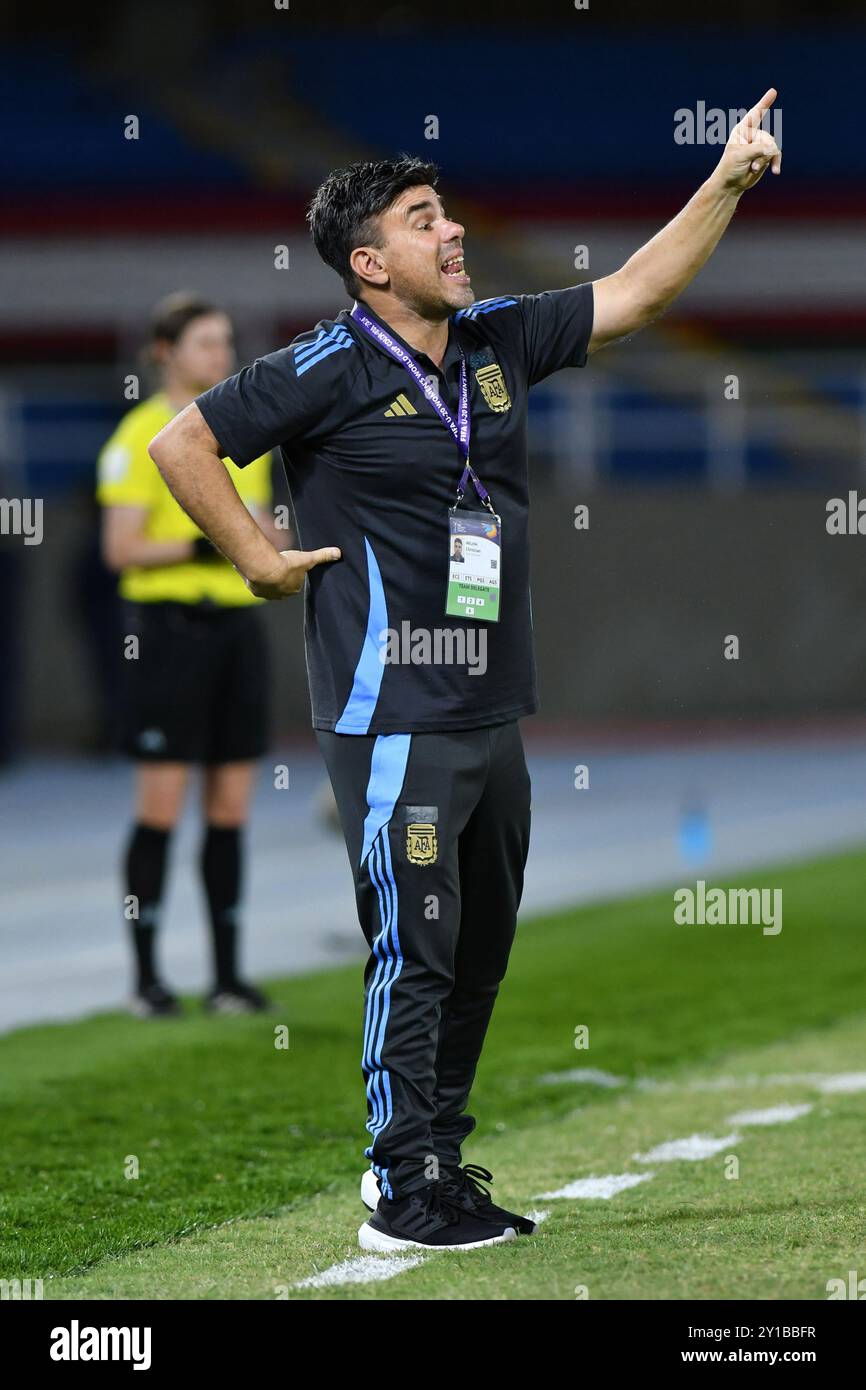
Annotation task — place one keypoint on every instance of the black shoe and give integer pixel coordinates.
(429, 1220)
(464, 1188)
(154, 1001)
(236, 998)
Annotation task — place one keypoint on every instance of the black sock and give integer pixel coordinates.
(221, 870)
(145, 875)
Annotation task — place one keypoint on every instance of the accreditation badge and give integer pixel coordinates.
(474, 565)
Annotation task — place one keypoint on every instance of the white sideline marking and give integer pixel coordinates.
(695, 1147)
(845, 1082)
(590, 1076)
(826, 1082)
(365, 1269)
(538, 1216)
(829, 1083)
(775, 1115)
(605, 1187)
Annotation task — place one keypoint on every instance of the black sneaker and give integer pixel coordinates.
(429, 1220)
(236, 998)
(464, 1188)
(155, 1001)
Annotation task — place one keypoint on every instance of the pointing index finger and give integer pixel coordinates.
(756, 115)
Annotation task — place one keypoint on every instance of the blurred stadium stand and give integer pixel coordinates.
(240, 119)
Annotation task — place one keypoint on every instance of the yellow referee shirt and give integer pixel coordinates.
(128, 477)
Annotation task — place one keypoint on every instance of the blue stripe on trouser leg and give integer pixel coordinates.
(390, 963)
(387, 961)
(387, 774)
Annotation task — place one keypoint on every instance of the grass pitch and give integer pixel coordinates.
(248, 1156)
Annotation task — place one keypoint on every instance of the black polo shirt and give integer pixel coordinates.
(373, 470)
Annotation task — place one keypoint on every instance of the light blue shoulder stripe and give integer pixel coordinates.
(484, 306)
(302, 350)
(308, 354)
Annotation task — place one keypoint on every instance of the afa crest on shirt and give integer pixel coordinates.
(421, 843)
(493, 387)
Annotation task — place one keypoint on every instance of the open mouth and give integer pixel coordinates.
(454, 269)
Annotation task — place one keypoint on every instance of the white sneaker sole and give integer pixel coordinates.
(370, 1190)
(371, 1239)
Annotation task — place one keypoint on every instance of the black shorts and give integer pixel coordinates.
(198, 690)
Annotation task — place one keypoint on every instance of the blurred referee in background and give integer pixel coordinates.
(196, 689)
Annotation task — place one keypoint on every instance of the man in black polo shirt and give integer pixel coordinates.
(402, 425)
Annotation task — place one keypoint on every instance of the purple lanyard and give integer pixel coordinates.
(460, 428)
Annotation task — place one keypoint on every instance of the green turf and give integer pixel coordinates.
(226, 1128)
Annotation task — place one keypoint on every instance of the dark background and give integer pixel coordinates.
(556, 130)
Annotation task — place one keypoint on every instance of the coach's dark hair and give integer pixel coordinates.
(343, 212)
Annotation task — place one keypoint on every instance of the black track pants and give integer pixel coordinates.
(437, 829)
